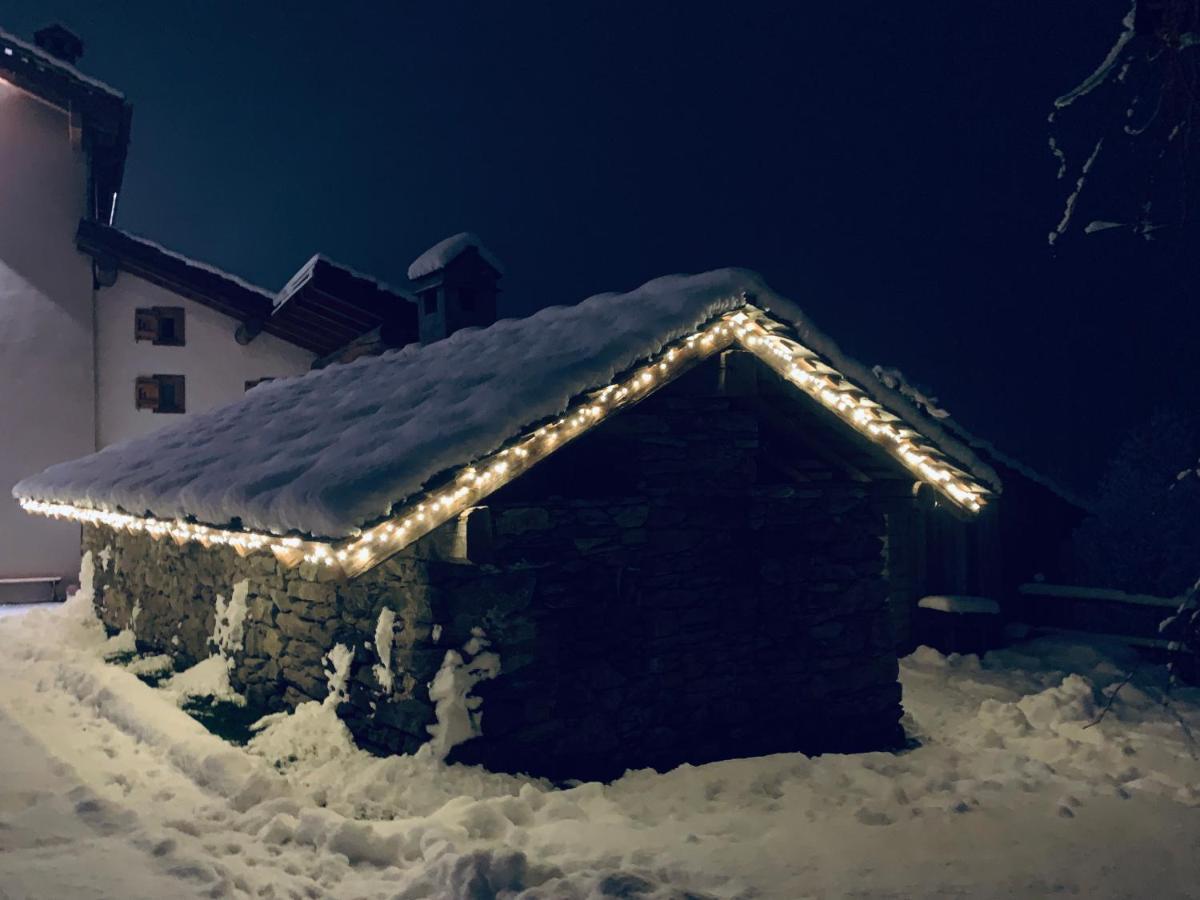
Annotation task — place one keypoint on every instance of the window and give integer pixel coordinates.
(430, 302)
(159, 324)
(256, 381)
(160, 393)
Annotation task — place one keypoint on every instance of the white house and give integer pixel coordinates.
(105, 336)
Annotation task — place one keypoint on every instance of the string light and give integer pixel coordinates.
(748, 327)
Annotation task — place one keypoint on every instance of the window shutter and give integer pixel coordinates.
(147, 394)
(145, 325)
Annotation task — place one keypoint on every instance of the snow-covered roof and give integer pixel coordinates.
(50, 61)
(105, 113)
(306, 272)
(444, 252)
(94, 230)
(896, 380)
(333, 450)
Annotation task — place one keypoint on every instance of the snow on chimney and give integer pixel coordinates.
(455, 282)
(60, 42)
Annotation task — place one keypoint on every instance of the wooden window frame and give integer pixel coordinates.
(148, 325)
(150, 393)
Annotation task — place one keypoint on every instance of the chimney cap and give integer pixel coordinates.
(441, 254)
(60, 42)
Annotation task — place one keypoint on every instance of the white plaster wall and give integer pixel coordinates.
(46, 376)
(215, 367)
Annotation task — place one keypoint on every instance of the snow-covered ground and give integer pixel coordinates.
(107, 789)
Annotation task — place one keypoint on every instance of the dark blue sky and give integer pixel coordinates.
(885, 165)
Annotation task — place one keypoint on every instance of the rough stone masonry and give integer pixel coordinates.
(657, 593)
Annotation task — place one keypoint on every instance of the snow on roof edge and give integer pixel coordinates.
(193, 263)
(274, 479)
(304, 274)
(61, 64)
(446, 251)
(893, 400)
(928, 408)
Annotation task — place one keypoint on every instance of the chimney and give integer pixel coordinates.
(60, 42)
(456, 283)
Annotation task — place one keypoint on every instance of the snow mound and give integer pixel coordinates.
(312, 733)
(207, 678)
(445, 252)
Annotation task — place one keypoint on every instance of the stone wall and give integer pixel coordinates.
(657, 593)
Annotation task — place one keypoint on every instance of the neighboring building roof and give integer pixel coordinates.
(326, 305)
(445, 252)
(101, 112)
(335, 450)
(323, 307)
(198, 281)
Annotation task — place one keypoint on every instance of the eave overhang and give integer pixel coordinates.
(753, 329)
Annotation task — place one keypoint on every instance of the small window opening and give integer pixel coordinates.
(160, 393)
(258, 381)
(160, 325)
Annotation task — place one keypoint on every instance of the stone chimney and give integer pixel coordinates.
(456, 283)
(60, 42)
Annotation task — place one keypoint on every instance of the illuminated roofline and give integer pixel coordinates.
(748, 327)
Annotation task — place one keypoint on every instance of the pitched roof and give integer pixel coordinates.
(334, 450)
(324, 305)
(446, 251)
(102, 111)
(180, 274)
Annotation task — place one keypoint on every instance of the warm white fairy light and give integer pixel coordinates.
(748, 327)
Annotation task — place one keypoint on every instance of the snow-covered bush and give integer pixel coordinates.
(1144, 536)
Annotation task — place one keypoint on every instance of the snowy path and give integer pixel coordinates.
(109, 791)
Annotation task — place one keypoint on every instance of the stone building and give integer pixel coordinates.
(648, 529)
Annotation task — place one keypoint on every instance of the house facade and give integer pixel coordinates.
(105, 336)
(62, 144)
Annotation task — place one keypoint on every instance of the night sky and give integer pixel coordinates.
(884, 165)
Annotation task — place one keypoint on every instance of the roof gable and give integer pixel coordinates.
(374, 453)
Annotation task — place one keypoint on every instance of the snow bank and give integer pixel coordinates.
(325, 453)
(1009, 790)
(207, 678)
(311, 734)
(445, 252)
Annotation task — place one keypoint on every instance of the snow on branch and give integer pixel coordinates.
(1100, 75)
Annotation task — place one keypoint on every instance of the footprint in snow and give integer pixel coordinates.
(872, 817)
